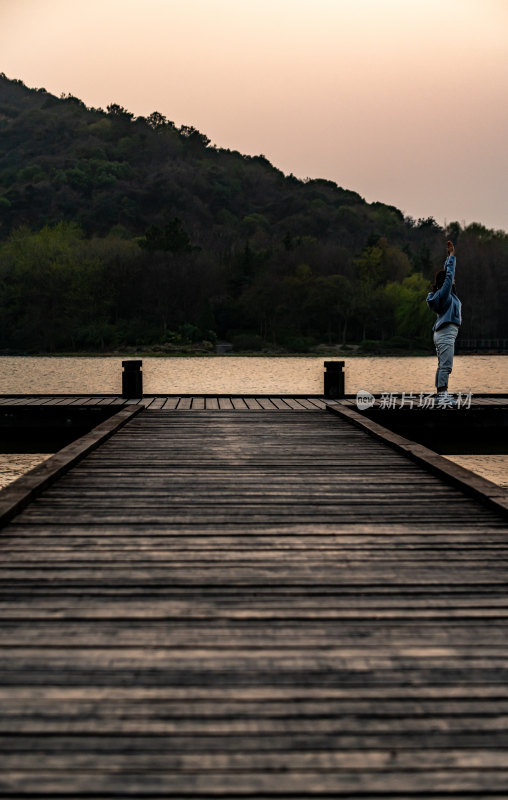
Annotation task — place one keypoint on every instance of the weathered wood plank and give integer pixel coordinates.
(239, 403)
(157, 403)
(296, 783)
(278, 402)
(213, 762)
(225, 403)
(171, 403)
(293, 403)
(247, 634)
(307, 403)
(316, 402)
(266, 403)
(185, 403)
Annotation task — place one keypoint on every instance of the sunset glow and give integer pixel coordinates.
(404, 102)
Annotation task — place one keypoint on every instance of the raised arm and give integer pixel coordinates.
(449, 264)
(443, 294)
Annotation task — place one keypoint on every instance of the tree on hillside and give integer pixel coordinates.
(171, 238)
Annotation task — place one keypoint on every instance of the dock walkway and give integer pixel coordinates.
(174, 402)
(255, 605)
(224, 402)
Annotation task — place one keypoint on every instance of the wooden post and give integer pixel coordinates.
(132, 379)
(334, 379)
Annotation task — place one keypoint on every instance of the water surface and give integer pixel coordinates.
(12, 465)
(249, 375)
(492, 467)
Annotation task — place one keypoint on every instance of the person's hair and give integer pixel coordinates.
(438, 279)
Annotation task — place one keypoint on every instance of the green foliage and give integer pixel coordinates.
(371, 346)
(194, 137)
(409, 306)
(299, 344)
(189, 333)
(171, 238)
(120, 231)
(248, 341)
(381, 262)
(100, 128)
(119, 113)
(251, 223)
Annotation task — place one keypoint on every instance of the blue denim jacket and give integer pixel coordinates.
(444, 302)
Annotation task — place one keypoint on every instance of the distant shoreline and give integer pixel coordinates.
(325, 355)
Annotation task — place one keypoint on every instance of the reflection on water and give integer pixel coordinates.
(492, 467)
(12, 465)
(249, 375)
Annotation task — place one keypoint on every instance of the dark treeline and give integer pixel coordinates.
(118, 231)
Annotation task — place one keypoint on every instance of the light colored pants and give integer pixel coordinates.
(444, 340)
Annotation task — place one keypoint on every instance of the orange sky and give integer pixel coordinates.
(404, 101)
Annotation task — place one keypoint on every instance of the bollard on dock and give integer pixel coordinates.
(334, 379)
(132, 379)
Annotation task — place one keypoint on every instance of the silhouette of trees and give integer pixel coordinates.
(171, 238)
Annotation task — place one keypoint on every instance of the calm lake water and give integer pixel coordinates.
(236, 374)
(249, 375)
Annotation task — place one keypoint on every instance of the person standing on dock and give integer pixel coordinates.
(444, 302)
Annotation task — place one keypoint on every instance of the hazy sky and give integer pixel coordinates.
(403, 101)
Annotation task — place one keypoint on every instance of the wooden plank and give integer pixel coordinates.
(317, 402)
(301, 783)
(92, 401)
(352, 760)
(247, 634)
(295, 403)
(239, 403)
(170, 403)
(62, 401)
(278, 402)
(307, 403)
(198, 403)
(81, 401)
(266, 403)
(45, 401)
(212, 403)
(225, 403)
(157, 403)
(360, 697)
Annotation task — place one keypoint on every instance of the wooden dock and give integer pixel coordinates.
(214, 402)
(253, 605)
(174, 402)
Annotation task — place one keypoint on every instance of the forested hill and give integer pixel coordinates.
(118, 230)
